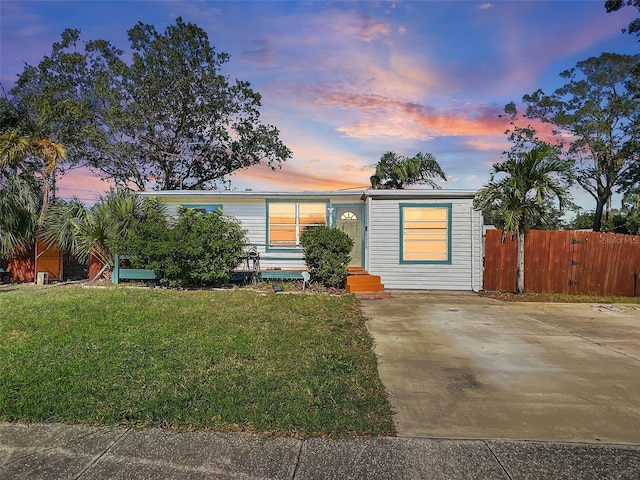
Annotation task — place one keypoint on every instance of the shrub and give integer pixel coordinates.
(327, 252)
(197, 249)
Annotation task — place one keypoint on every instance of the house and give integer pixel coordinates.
(412, 239)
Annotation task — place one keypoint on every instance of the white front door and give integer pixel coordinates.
(349, 220)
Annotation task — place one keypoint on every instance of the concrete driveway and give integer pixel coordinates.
(463, 366)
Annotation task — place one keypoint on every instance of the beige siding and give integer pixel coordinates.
(383, 241)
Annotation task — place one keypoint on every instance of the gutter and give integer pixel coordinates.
(426, 194)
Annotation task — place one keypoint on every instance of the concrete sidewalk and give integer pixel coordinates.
(56, 451)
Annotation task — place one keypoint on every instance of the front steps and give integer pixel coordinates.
(365, 286)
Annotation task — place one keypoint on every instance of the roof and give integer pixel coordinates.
(250, 194)
(419, 193)
(361, 194)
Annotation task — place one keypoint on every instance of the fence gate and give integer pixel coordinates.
(565, 262)
(576, 262)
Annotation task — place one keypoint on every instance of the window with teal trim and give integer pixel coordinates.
(425, 232)
(286, 221)
(202, 207)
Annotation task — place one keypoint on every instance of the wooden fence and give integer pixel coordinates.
(565, 262)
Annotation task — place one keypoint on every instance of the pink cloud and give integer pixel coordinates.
(313, 167)
(486, 6)
(485, 143)
(361, 26)
(378, 115)
(291, 178)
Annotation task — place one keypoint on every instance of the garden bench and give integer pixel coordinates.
(282, 275)
(123, 273)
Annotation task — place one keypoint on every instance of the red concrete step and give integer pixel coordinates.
(359, 280)
(363, 280)
(364, 283)
(365, 288)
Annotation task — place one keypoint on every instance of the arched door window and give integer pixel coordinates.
(348, 216)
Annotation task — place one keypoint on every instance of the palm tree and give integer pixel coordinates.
(15, 149)
(529, 183)
(62, 226)
(84, 233)
(394, 171)
(19, 208)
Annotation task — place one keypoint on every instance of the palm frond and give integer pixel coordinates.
(14, 148)
(19, 205)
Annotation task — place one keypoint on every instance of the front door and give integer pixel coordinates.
(349, 220)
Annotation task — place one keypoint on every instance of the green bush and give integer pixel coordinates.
(197, 249)
(327, 252)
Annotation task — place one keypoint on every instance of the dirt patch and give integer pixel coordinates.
(557, 298)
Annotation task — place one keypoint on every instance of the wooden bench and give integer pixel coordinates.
(282, 275)
(121, 273)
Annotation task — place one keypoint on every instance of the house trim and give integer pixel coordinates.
(297, 247)
(363, 225)
(449, 208)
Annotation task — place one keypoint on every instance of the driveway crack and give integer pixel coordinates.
(497, 460)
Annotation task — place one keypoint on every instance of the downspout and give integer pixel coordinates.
(477, 253)
(473, 247)
(365, 234)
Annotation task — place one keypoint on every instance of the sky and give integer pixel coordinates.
(345, 82)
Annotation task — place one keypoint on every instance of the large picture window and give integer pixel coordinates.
(287, 221)
(425, 233)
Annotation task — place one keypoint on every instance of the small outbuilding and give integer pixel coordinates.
(411, 239)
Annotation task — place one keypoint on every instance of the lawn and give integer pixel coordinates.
(293, 364)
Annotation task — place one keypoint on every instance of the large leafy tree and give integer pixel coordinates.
(166, 119)
(598, 114)
(396, 171)
(521, 188)
(53, 102)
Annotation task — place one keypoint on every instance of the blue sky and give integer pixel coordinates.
(345, 82)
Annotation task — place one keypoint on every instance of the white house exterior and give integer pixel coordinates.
(412, 239)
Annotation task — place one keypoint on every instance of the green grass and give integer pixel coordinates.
(228, 361)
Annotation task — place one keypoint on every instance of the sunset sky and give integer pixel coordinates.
(344, 82)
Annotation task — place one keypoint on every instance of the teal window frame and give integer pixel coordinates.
(449, 209)
(297, 247)
(207, 207)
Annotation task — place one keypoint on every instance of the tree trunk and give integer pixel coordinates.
(520, 260)
(597, 219)
(46, 184)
